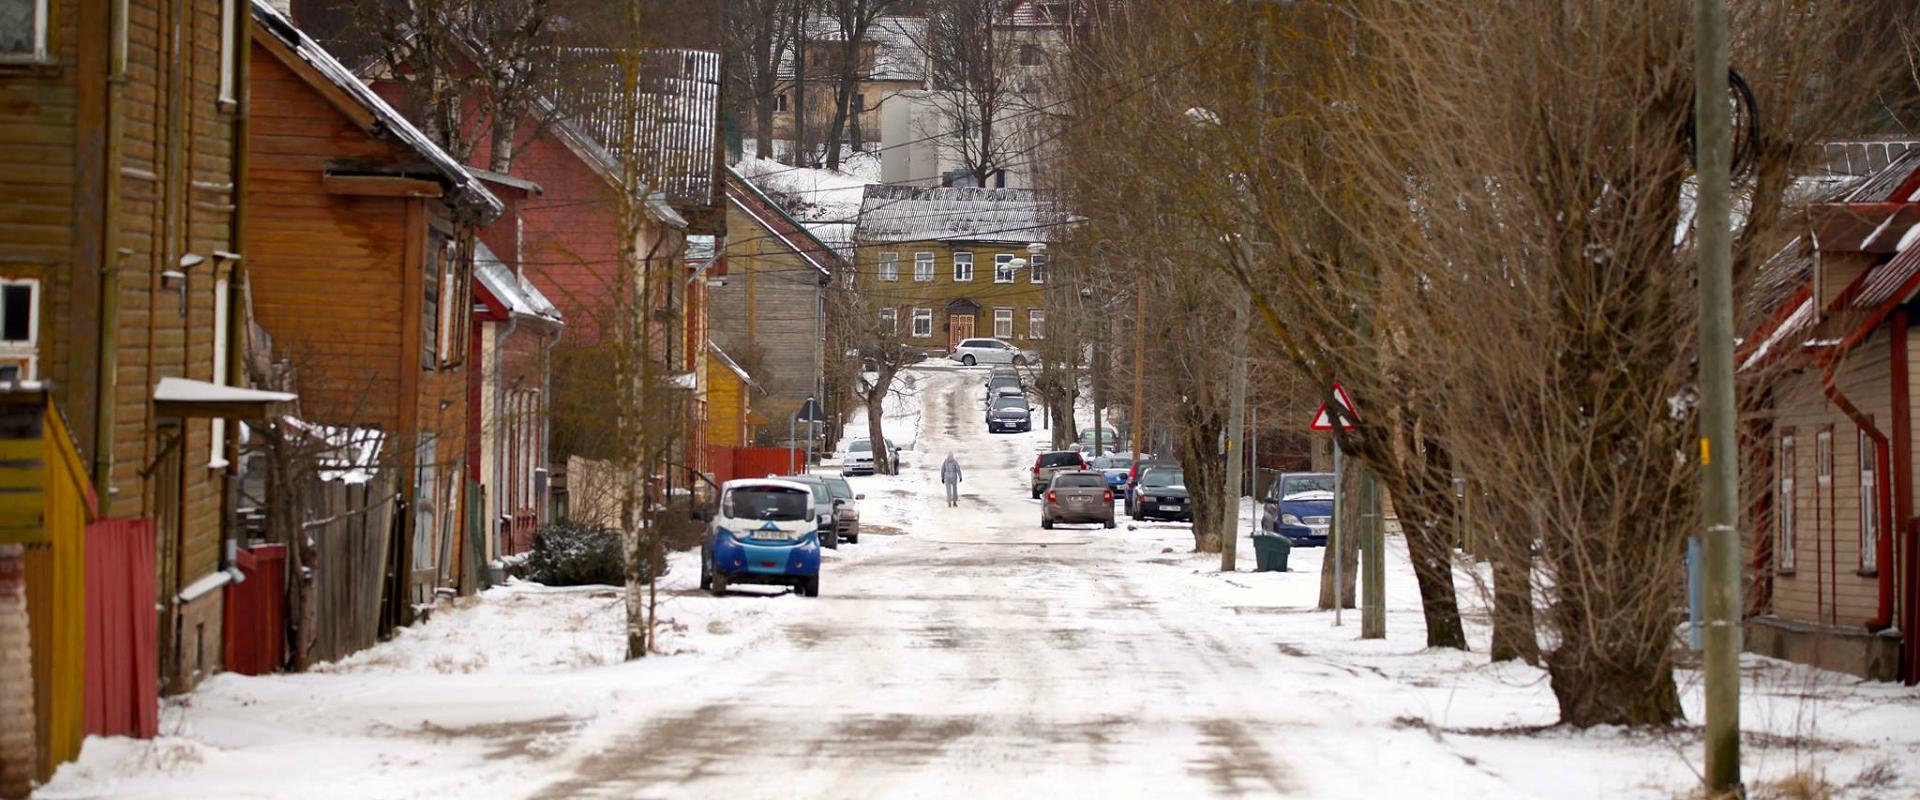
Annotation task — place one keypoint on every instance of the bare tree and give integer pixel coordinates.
(758, 39)
(852, 21)
(875, 344)
(973, 68)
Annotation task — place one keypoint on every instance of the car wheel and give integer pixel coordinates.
(853, 539)
(719, 584)
(967, 360)
(809, 587)
(1019, 361)
(1036, 494)
(1109, 524)
(830, 540)
(1046, 523)
(706, 573)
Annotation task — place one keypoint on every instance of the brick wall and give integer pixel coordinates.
(16, 676)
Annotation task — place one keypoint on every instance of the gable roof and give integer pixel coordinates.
(733, 365)
(914, 214)
(743, 194)
(678, 93)
(516, 295)
(379, 119)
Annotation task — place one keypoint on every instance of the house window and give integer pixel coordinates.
(1037, 270)
(923, 323)
(1003, 268)
(962, 267)
(846, 277)
(859, 102)
(923, 267)
(1003, 323)
(1869, 506)
(890, 321)
(889, 267)
(1036, 324)
(1030, 55)
(430, 305)
(229, 49)
(780, 102)
(451, 294)
(23, 30)
(19, 329)
(1784, 540)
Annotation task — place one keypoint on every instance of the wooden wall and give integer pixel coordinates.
(765, 315)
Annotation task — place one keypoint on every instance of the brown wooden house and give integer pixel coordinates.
(362, 264)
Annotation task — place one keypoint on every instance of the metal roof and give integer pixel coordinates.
(676, 106)
(897, 52)
(913, 214)
(514, 291)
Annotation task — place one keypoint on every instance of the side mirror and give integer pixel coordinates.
(859, 497)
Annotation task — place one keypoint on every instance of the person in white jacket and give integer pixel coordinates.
(950, 475)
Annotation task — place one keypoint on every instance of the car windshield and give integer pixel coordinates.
(1080, 482)
(1112, 462)
(767, 502)
(839, 488)
(1105, 434)
(1063, 459)
(1009, 402)
(1163, 476)
(860, 446)
(1004, 382)
(1297, 485)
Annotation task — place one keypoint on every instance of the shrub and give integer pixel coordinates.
(569, 553)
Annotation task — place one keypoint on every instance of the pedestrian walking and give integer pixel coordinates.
(950, 475)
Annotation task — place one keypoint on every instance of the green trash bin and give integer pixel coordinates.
(1270, 553)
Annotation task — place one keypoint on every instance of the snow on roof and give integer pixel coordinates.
(465, 188)
(1795, 324)
(897, 52)
(185, 390)
(351, 455)
(796, 236)
(1880, 186)
(912, 214)
(678, 101)
(732, 365)
(515, 291)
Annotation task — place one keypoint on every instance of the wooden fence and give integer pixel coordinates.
(350, 526)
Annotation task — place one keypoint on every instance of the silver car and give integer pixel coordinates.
(823, 508)
(1079, 496)
(988, 351)
(846, 508)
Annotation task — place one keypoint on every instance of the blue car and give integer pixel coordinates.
(764, 533)
(1116, 469)
(1299, 506)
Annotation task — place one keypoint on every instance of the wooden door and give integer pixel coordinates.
(960, 329)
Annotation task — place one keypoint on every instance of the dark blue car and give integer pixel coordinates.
(1299, 506)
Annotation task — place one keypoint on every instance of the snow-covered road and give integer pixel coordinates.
(954, 653)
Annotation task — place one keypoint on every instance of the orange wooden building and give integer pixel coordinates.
(361, 255)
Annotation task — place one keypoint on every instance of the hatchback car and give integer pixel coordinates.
(1162, 494)
(858, 458)
(1133, 478)
(1048, 464)
(763, 533)
(1077, 497)
(846, 508)
(1115, 467)
(988, 351)
(1004, 385)
(824, 508)
(1299, 506)
(1009, 414)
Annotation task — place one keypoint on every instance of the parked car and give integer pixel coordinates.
(1115, 467)
(1082, 496)
(1004, 385)
(846, 508)
(1048, 464)
(858, 459)
(1109, 440)
(1162, 494)
(823, 508)
(1299, 506)
(988, 351)
(1009, 414)
(1133, 478)
(764, 533)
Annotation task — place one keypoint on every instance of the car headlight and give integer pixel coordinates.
(1290, 519)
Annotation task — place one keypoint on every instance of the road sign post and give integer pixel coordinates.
(1337, 415)
(810, 414)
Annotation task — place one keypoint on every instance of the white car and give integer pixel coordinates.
(989, 351)
(858, 458)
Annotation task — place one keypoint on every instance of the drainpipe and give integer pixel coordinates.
(1881, 459)
(1902, 473)
(500, 413)
(544, 503)
(107, 379)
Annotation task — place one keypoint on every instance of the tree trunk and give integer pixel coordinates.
(876, 401)
(1513, 625)
(1602, 678)
(800, 157)
(1206, 475)
(1349, 570)
(500, 155)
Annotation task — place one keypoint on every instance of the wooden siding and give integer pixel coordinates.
(571, 234)
(765, 318)
(726, 406)
(906, 294)
(1825, 586)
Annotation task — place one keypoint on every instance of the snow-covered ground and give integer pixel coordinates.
(962, 652)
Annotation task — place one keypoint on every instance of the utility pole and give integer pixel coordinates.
(1139, 367)
(1373, 559)
(1237, 410)
(1713, 143)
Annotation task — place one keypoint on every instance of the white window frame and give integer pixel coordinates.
(26, 352)
(1036, 323)
(780, 102)
(1037, 268)
(1869, 505)
(890, 319)
(229, 51)
(1003, 323)
(923, 267)
(1823, 458)
(922, 315)
(889, 267)
(1003, 268)
(1786, 514)
(962, 275)
(40, 32)
(222, 310)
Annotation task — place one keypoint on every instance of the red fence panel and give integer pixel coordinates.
(759, 462)
(123, 682)
(719, 463)
(256, 623)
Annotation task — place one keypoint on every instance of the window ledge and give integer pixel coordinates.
(1868, 573)
(1783, 573)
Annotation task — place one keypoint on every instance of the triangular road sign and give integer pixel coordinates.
(1323, 421)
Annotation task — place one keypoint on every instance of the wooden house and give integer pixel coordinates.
(731, 393)
(939, 263)
(1836, 530)
(361, 257)
(515, 329)
(769, 309)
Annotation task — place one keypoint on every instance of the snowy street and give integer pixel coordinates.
(953, 653)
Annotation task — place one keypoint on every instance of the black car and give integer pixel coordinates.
(1009, 414)
(1133, 478)
(1162, 494)
(1004, 385)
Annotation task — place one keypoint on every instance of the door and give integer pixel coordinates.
(960, 329)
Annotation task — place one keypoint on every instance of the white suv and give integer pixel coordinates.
(989, 351)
